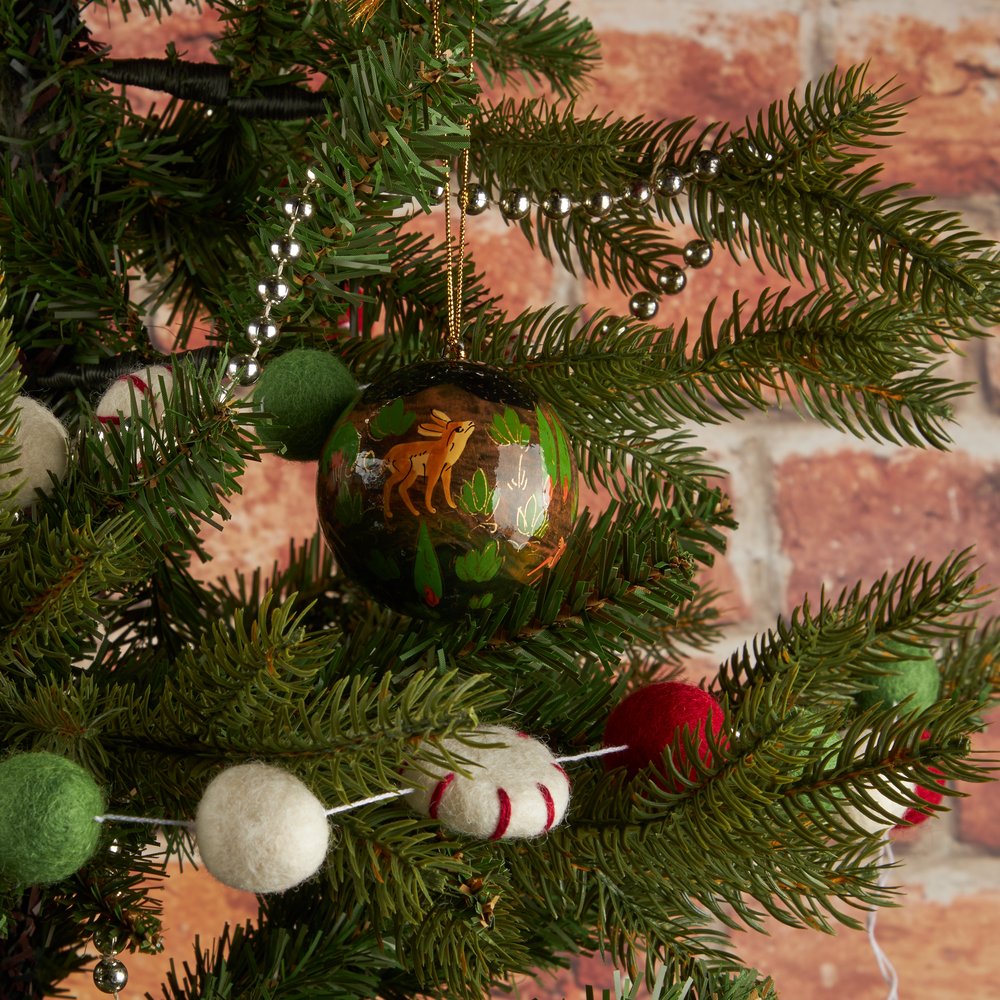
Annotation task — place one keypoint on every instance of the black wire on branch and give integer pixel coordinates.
(94, 377)
(209, 83)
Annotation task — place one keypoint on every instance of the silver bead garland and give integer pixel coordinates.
(110, 974)
(667, 181)
(243, 370)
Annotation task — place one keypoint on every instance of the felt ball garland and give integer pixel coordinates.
(44, 453)
(47, 809)
(514, 789)
(911, 679)
(651, 721)
(127, 393)
(260, 829)
(305, 392)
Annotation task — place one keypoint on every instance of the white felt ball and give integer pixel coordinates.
(517, 789)
(876, 824)
(260, 829)
(44, 446)
(152, 383)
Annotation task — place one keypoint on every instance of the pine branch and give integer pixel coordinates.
(795, 194)
(917, 600)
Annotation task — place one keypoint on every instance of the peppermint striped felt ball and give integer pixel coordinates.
(152, 383)
(515, 787)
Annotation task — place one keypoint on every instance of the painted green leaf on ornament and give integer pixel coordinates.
(476, 496)
(344, 441)
(391, 420)
(480, 565)
(531, 518)
(427, 569)
(480, 601)
(555, 453)
(347, 507)
(510, 428)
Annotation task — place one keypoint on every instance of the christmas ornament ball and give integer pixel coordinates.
(47, 825)
(446, 488)
(44, 452)
(304, 392)
(514, 787)
(260, 829)
(913, 677)
(651, 720)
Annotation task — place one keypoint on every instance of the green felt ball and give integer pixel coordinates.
(913, 675)
(47, 825)
(304, 392)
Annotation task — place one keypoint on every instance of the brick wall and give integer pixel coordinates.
(816, 507)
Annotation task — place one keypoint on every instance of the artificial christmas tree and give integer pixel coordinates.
(115, 657)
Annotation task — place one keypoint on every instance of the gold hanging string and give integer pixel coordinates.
(455, 274)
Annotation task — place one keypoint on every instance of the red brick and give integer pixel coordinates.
(979, 814)
(192, 32)
(193, 904)
(725, 69)
(989, 356)
(945, 951)
(848, 516)
(278, 503)
(949, 62)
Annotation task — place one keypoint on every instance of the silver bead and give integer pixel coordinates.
(107, 940)
(557, 205)
(706, 164)
(110, 975)
(262, 331)
(698, 253)
(599, 203)
(671, 280)
(243, 369)
(515, 205)
(273, 290)
(643, 305)
(612, 326)
(637, 194)
(669, 182)
(437, 193)
(285, 249)
(297, 208)
(477, 199)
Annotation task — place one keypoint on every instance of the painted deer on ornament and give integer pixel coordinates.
(434, 460)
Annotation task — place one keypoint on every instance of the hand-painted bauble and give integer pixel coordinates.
(447, 488)
(658, 718)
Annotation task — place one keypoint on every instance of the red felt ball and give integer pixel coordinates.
(652, 719)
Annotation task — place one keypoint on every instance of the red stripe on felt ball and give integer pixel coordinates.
(652, 719)
(550, 808)
(915, 814)
(109, 420)
(562, 771)
(439, 789)
(503, 820)
(137, 382)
